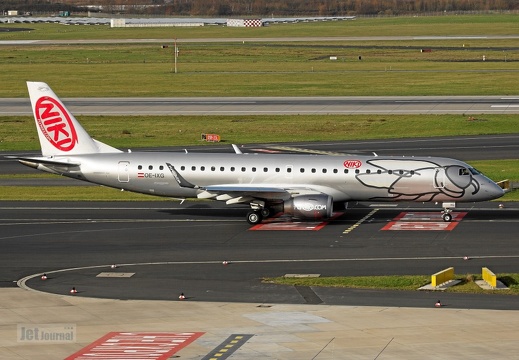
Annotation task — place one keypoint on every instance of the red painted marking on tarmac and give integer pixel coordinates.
(136, 345)
(427, 216)
(420, 225)
(273, 224)
(423, 221)
(399, 216)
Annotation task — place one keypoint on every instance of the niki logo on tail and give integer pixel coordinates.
(55, 123)
(300, 186)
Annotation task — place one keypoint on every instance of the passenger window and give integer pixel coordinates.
(390, 172)
(265, 169)
(161, 167)
(289, 170)
(243, 169)
(182, 168)
(313, 170)
(150, 167)
(346, 171)
(253, 169)
(233, 168)
(213, 168)
(324, 171)
(193, 168)
(368, 171)
(202, 168)
(302, 170)
(222, 168)
(357, 171)
(379, 171)
(335, 171)
(139, 167)
(277, 169)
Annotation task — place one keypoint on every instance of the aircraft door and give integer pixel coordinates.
(123, 173)
(439, 178)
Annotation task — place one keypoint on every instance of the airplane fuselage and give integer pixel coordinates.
(344, 178)
(302, 186)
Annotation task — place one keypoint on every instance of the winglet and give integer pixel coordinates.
(180, 180)
(58, 130)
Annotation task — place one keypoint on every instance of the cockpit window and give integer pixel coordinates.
(474, 171)
(464, 171)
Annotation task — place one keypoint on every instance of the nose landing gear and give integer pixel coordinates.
(447, 216)
(447, 210)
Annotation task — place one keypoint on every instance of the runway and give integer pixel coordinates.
(347, 105)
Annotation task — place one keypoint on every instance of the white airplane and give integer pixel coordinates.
(302, 186)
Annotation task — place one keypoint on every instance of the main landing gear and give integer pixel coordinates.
(254, 217)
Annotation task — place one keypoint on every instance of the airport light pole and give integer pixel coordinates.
(176, 55)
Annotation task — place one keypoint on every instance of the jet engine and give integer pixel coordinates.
(317, 206)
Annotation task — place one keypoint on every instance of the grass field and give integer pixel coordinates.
(271, 68)
(18, 132)
(409, 282)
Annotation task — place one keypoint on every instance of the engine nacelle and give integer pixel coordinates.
(309, 206)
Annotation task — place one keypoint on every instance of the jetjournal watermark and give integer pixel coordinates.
(46, 333)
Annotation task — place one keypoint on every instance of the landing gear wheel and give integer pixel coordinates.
(265, 212)
(254, 217)
(447, 217)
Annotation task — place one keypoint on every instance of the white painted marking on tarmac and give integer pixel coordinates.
(22, 282)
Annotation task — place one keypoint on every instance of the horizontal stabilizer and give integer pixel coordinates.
(45, 161)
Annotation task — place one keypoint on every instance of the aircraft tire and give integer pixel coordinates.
(447, 217)
(254, 217)
(265, 212)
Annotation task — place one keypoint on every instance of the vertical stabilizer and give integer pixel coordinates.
(59, 132)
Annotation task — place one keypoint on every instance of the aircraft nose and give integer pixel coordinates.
(493, 190)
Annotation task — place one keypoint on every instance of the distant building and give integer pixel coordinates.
(244, 22)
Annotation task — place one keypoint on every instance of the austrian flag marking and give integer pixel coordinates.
(55, 123)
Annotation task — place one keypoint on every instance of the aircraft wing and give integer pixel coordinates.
(242, 193)
(234, 194)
